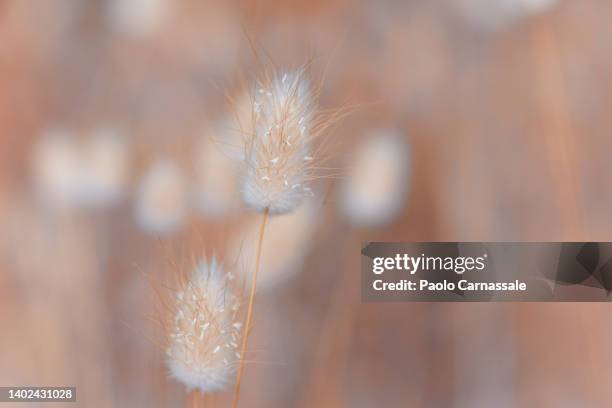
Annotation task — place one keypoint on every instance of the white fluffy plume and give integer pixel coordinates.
(277, 152)
(203, 348)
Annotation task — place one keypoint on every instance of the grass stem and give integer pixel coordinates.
(247, 326)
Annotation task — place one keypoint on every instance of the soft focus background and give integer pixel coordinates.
(499, 107)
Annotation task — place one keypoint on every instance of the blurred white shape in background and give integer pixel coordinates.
(56, 165)
(104, 173)
(489, 15)
(80, 173)
(286, 241)
(538, 6)
(161, 201)
(138, 18)
(376, 187)
(216, 176)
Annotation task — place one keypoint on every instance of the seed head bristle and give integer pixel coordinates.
(277, 152)
(203, 349)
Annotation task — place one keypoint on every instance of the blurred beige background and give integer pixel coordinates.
(505, 106)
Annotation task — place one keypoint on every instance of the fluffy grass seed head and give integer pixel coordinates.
(277, 152)
(203, 351)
